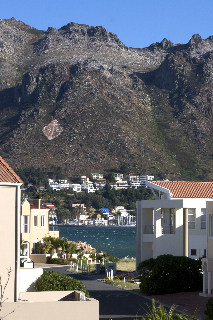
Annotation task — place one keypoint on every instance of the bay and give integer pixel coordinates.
(117, 241)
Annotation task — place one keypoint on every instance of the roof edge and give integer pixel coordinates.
(11, 171)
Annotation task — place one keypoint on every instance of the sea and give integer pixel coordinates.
(117, 241)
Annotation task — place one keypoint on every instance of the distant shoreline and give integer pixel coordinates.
(112, 226)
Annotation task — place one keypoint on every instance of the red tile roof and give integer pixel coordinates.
(7, 174)
(187, 189)
(32, 206)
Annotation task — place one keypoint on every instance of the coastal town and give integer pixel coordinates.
(103, 216)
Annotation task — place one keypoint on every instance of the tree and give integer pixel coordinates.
(63, 214)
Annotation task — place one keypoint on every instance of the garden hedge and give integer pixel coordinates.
(54, 281)
(169, 274)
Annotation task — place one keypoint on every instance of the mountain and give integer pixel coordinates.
(78, 98)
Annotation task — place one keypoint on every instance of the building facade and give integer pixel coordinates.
(34, 226)
(174, 223)
(10, 195)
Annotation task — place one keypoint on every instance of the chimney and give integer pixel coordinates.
(37, 203)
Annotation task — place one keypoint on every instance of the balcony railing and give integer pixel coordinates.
(168, 230)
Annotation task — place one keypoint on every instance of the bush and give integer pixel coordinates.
(59, 261)
(54, 281)
(209, 309)
(161, 313)
(169, 274)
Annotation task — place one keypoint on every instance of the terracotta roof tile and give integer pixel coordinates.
(187, 189)
(7, 174)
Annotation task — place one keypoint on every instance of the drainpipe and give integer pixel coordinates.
(185, 233)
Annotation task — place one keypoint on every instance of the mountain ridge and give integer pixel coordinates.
(147, 110)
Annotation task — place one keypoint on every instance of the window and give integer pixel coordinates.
(191, 218)
(35, 247)
(211, 226)
(168, 221)
(203, 218)
(35, 221)
(43, 221)
(193, 252)
(25, 224)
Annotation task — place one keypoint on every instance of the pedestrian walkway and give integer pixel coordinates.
(114, 302)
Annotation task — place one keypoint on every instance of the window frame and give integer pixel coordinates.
(191, 222)
(43, 221)
(26, 225)
(203, 221)
(211, 226)
(195, 252)
(35, 216)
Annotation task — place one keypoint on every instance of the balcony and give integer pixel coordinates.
(148, 233)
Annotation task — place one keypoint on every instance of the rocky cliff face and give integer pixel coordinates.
(78, 98)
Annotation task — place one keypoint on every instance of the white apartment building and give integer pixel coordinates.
(60, 185)
(88, 186)
(76, 187)
(118, 176)
(174, 223)
(138, 181)
(96, 176)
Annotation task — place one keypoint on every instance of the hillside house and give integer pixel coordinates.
(52, 212)
(76, 187)
(88, 186)
(96, 176)
(118, 176)
(174, 223)
(58, 185)
(84, 179)
(118, 185)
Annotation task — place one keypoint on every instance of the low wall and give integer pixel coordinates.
(45, 305)
(39, 258)
(28, 277)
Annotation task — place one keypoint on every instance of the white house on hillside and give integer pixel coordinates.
(174, 223)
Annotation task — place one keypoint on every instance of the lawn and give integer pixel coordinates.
(126, 265)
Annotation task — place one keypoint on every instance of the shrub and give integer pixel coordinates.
(109, 258)
(169, 274)
(160, 313)
(209, 309)
(127, 276)
(54, 281)
(59, 261)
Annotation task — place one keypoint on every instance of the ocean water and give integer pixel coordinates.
(117, 241)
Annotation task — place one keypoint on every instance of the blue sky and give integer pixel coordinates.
(138, 23)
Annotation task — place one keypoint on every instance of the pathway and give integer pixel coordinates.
(114, 303)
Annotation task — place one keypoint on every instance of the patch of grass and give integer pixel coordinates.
(126, 265)
(130, 285)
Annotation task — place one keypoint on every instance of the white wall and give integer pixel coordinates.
(168, 243)
(28, 277)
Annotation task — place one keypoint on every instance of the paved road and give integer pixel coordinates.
(114, 302)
